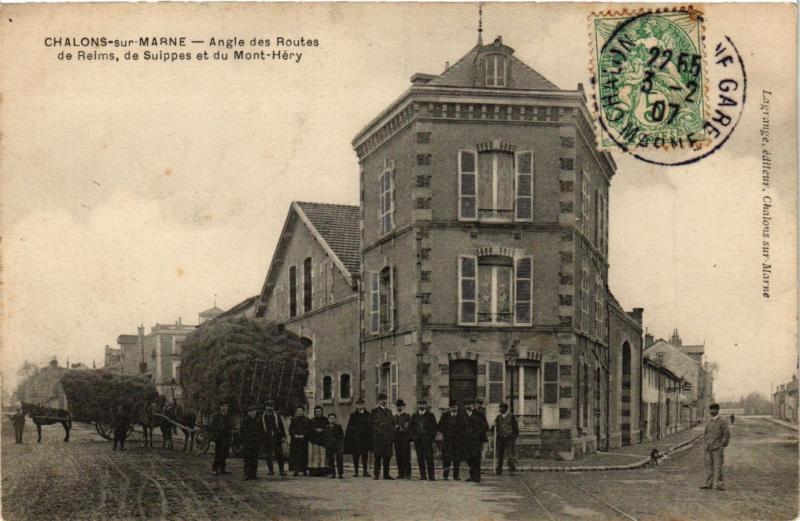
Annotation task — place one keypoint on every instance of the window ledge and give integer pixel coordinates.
(345, 400)
(327, 401)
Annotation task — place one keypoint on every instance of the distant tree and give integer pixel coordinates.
(756, 403)
(25, 373)
(230, 358)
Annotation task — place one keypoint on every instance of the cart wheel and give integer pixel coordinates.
(202, 441)
(236, 445)
(104, 430)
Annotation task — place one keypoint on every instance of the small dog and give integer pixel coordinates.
(655, 457)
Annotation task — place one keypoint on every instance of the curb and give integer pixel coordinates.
(588, 468)
(783, 424)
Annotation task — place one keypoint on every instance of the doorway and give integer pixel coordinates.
(463, 380)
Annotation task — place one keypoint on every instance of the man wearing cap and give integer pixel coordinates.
(357, 438)
(274, 436)
(716, 437)
(475, 428)
(451, 425)
(382, 428)
(252, 433)
(506, 431)
(423, 432)
(402, 440)
(220, 430)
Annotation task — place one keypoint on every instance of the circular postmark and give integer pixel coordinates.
(656, 97)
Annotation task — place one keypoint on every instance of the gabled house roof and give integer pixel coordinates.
(335, 227)
(338, 225)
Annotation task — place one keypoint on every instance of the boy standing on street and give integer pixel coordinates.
(333, 440)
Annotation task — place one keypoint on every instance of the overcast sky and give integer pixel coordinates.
(136, 192)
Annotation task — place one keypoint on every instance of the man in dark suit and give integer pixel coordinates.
(475, 428)
(274, 436)
(382, 427)
(18, 420)
(220, 430)
(451, 425)
(121, 424)
(423, 432)
(357, 440)
(402, 440)
(252, 433)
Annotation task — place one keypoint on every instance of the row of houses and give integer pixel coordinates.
(474, 266)
(784, 401)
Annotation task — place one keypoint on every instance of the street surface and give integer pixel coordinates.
(85, 479)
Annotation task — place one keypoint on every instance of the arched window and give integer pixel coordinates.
(344, 387)
(327, 388)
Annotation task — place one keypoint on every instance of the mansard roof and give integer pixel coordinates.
(465, 70)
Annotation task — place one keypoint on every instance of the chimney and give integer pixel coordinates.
(446, 65)
(648, 340)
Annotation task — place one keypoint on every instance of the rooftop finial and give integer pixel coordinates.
(480, 23)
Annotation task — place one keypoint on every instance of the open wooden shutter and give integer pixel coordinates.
(377, 381)
(393, 379)
(392, 299)
(523, 281)
(495, 382)
(374, 300)
(467, 185)
(523, 206)
(467, 289)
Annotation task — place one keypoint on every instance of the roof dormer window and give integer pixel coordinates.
(495, 70)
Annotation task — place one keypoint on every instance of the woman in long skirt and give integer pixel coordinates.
(298, 446)
(317, 464)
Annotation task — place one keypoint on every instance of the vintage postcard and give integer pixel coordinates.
(528, 261)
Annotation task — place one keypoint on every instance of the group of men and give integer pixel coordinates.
(462, 434)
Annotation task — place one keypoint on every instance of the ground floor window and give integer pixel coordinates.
(523, 393)
(463, 380)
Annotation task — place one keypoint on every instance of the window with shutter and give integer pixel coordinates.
(374, 302)
(585, 203)
(495, 382)
(467, 185)
(551, 382)
(523, 275)
(393, 368)
(387, 198)
(524, 186)
(308, 290)
(467, 275)
(584, 296)
(292, 291)
(385, 300)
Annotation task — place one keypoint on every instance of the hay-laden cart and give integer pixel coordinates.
(260, 379)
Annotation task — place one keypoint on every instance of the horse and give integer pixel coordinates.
(148, 422)
(47, 416)
(187, 419)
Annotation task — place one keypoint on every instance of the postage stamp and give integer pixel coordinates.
(649, 78)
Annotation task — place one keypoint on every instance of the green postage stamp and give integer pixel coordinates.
(649, 79)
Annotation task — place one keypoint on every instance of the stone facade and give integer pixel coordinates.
(484, 254)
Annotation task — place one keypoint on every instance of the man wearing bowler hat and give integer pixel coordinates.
(402, 440)
(382, 428)
(423, 432)
(475, 428)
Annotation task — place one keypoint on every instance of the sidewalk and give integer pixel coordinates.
(781, 422)
(624, 458)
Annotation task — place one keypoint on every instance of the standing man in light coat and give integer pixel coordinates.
(716, 438)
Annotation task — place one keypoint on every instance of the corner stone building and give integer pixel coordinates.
(475, 265)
